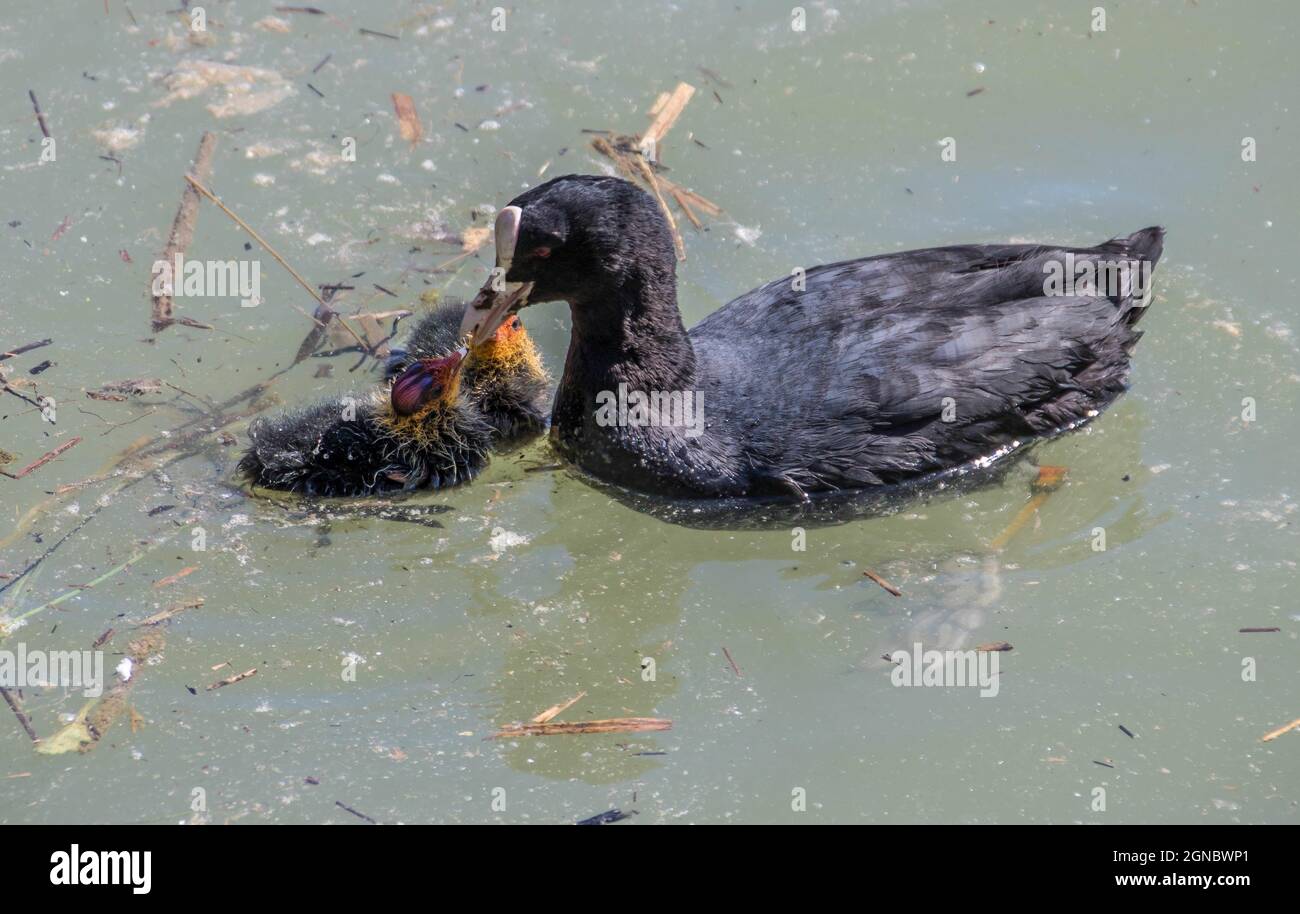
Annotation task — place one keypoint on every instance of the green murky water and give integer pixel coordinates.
(531, 587)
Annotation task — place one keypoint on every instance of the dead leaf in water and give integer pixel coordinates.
(408, 120)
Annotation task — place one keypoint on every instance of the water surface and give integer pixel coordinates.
(530, 587)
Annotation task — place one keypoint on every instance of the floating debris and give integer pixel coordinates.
(23, 720)
(555, 710)
(40, 115)
(665, 111)
(611, 725)
(169, 613)
(543, 725)
(360, 815)
(93, 721)
(474, 238)
(118, 137)
(735, 669)
(637, 158)
(182, 232)
(173, 578)
(100, 395)
(27, 348)
(1285, 728)
(231, 680)
(408, 120)
(607, 817)
(885, 585)
(273, 24)
(67, 445)
(136, 387)
(243, 90)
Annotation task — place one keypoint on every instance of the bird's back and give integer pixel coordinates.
(894, 366)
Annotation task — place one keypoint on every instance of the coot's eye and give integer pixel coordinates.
(542, 253)
(516, 324)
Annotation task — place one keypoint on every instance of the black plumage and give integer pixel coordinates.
(359, 444)
(878, 371)
(356, 445)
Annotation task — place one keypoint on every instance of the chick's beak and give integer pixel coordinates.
(498, 299)
(425, 381)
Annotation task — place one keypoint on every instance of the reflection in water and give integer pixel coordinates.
(623, 581)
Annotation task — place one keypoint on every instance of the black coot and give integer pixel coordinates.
(867, 372)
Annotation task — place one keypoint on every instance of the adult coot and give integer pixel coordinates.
(855, 374)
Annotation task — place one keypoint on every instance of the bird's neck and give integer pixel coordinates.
(632, 335)
(627, 347)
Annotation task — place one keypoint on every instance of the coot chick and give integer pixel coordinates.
(504, 378)
(857, 374)
(364, 444)
(433, 429)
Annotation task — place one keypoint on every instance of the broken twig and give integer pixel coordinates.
(18, 713)
(21, 349)
(555, 710)
(735, 669)
(170, 612)
(40, 115)
(67, 445)
(173, 578)
(360, 815)
(182, 230)
(665, 111)
(885, 585)
(231, 680)
(612, 725)
(1285, 728)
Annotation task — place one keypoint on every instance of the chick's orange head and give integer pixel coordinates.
(505, 346)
